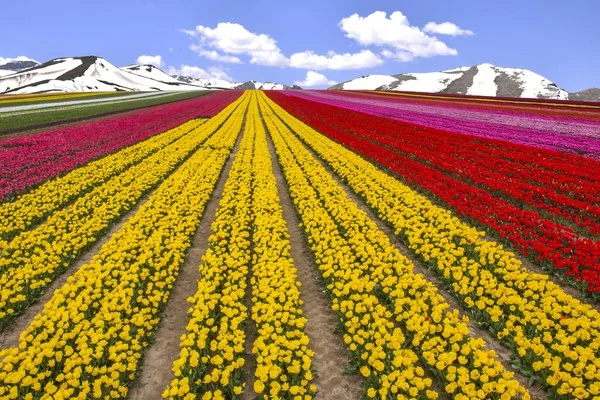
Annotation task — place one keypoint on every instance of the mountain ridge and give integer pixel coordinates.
(93, 73)
(479, 80)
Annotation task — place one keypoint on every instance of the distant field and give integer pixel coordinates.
(247, 244)
(14, 100)
(18, 121)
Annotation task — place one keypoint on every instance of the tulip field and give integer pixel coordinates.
(304, 244)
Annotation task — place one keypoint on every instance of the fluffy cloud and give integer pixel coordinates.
(446, 28)
(233, 38)
(309, 59)
(157, 61)
(397, 38)
(400, 40)
(228, 40)
(315, 79)
(214, 55)
(199, 73)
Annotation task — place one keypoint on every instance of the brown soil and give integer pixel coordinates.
(251, 335)
(155, 373)
(10, 336)
(331, 355)
(492, 343)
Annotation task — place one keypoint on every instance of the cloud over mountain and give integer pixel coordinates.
(399, 39)
(315, 79)
(157, 61)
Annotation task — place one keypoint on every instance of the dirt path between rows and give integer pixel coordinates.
(331, 355)
(156, 373)
(504, 354)
(10, 336)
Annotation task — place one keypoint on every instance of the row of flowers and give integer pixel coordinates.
(26, 98)
(567, 136)
(249, 233)
(27, 161)
(564, 173)
(32, 260)
(31, 208)
(475, 163)
(283, 359)
(554, 337)
(553, 245)
(91, 336)
(441, 338)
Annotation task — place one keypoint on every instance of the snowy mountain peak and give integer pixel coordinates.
(483, 79)
(84, 74)
(16, 64)
(16, 59)
(254, 85)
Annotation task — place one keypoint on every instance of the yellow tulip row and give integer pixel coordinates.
(29, 98)
(377, 347)
(555, 338)
(249, 230)
(30, 208)
(212, 349)
(281, 348)
(34, 258)
(91, 336)
(461, 363)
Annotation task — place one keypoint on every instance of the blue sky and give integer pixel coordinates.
(270, 40)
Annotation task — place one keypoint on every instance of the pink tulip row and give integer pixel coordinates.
(30, 160)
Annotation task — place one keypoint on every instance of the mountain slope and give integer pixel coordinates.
(152, 72)
(83, 74)
(480, 80)
(592, 94)
(206, 83)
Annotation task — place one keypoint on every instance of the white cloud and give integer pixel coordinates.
(309, 59)
(157, 61)
(446, 28)
(233, 38)
(213, 55)
(199, 73)
(315, 79)
(229, 40)
(400, 40)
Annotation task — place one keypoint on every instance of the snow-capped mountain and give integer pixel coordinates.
(16, 64)
(207, 83)
(479, 80)
(254, 85)
(85, 74)
(92, 73)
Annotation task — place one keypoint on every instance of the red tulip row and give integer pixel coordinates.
(550, 243)
(474, 165)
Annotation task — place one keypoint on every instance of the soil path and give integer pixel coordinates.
(155, 373)
(504, 354)
(331, 355)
